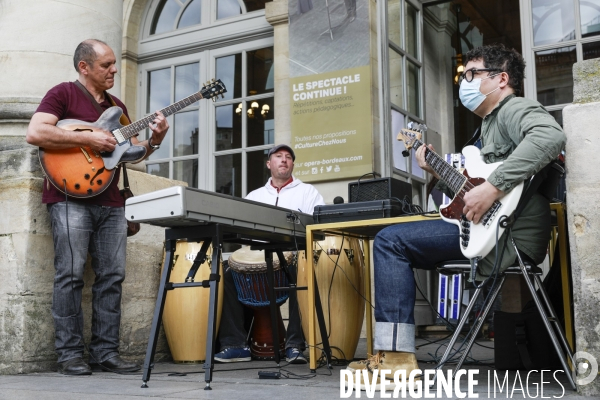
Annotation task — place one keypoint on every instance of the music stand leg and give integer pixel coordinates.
(272, 304)
(158, 311)
(211, 333)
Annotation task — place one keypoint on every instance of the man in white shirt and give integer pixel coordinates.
(282, 190)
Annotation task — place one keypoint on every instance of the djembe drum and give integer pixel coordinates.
(249, 272)
(342, 297)
(185, 316)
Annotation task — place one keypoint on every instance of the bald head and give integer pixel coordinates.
(85, 52)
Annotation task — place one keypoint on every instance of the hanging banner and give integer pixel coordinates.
(330, 89)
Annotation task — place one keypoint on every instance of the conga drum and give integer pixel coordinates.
(249, 271)
(185, 315)
(342, 298)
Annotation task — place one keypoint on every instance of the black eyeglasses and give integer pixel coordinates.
(469, 74)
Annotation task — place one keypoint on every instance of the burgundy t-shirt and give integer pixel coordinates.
(67, 101)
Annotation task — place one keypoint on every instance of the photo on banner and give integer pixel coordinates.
(330, 82)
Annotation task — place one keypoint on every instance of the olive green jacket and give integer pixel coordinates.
(522, 134)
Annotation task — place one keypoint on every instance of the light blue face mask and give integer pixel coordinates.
(469, 93)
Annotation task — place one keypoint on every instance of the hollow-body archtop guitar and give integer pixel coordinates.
(82, 172)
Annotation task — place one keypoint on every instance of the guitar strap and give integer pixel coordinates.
(475, 139)
(123, 120)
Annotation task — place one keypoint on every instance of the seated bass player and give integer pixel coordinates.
(514, 130)
(96, 224)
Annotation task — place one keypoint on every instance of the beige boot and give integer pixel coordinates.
(391, 360)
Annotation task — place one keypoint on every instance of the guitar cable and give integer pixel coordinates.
(78, 310)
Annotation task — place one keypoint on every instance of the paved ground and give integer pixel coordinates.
(240, 381)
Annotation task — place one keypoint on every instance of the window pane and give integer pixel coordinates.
(261, 122)
(413, 92)
(159, 89)
(416, 170)
(228, 8)
(554, 75)
(158, 169)
(257, 172)
(191, 15)
(187, 80)
(553, 21)
(590, 17)
(229, 128)
(228, 179)
(558, 116)
(398, 146)
(417, 189)
(260, 71)
(394, 22)
(396, 79)
(187, 171)
(185, 133)
(164, 21)
(159, 97)
(253, 5)
(229, 70)
(411, 30)
(591, 50)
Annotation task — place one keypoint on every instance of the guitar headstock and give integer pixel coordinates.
(412, 134)
(212, 89)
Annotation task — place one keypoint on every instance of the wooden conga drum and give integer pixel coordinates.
(343, 298)
(185, 315)
(249, 271)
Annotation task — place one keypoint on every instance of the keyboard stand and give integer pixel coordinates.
(216, 234)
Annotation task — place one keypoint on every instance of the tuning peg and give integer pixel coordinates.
(212, 80)
(213, 99)
(222, 96)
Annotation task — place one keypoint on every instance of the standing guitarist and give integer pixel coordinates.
(515, 130)
(96, 224)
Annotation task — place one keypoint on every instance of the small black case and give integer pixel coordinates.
(269, 375)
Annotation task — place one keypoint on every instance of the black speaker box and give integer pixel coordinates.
(379, 189)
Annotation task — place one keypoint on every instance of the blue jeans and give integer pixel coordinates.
(397, 250)
(101, 231)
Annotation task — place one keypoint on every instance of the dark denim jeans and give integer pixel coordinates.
(101, 231)
(396, 251)
(233, 334)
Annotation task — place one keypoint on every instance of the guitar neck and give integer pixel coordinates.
(454, 179)
(132, 129)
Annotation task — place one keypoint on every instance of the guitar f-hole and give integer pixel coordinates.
(101, 170)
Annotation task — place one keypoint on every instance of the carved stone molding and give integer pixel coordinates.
(18, 107)
(276, 12)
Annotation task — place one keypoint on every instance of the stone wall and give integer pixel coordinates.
(581, 122)
(35, 55)
(27, 269)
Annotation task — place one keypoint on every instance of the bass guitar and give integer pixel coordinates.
(82, 172)
(476, 240)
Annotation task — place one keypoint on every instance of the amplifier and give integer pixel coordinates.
(379, 189)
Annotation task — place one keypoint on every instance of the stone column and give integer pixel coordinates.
(276, 13)
(37, 41)
(581, 121)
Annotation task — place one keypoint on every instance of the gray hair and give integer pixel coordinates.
(85, 52)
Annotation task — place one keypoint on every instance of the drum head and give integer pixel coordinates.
(248, 261)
